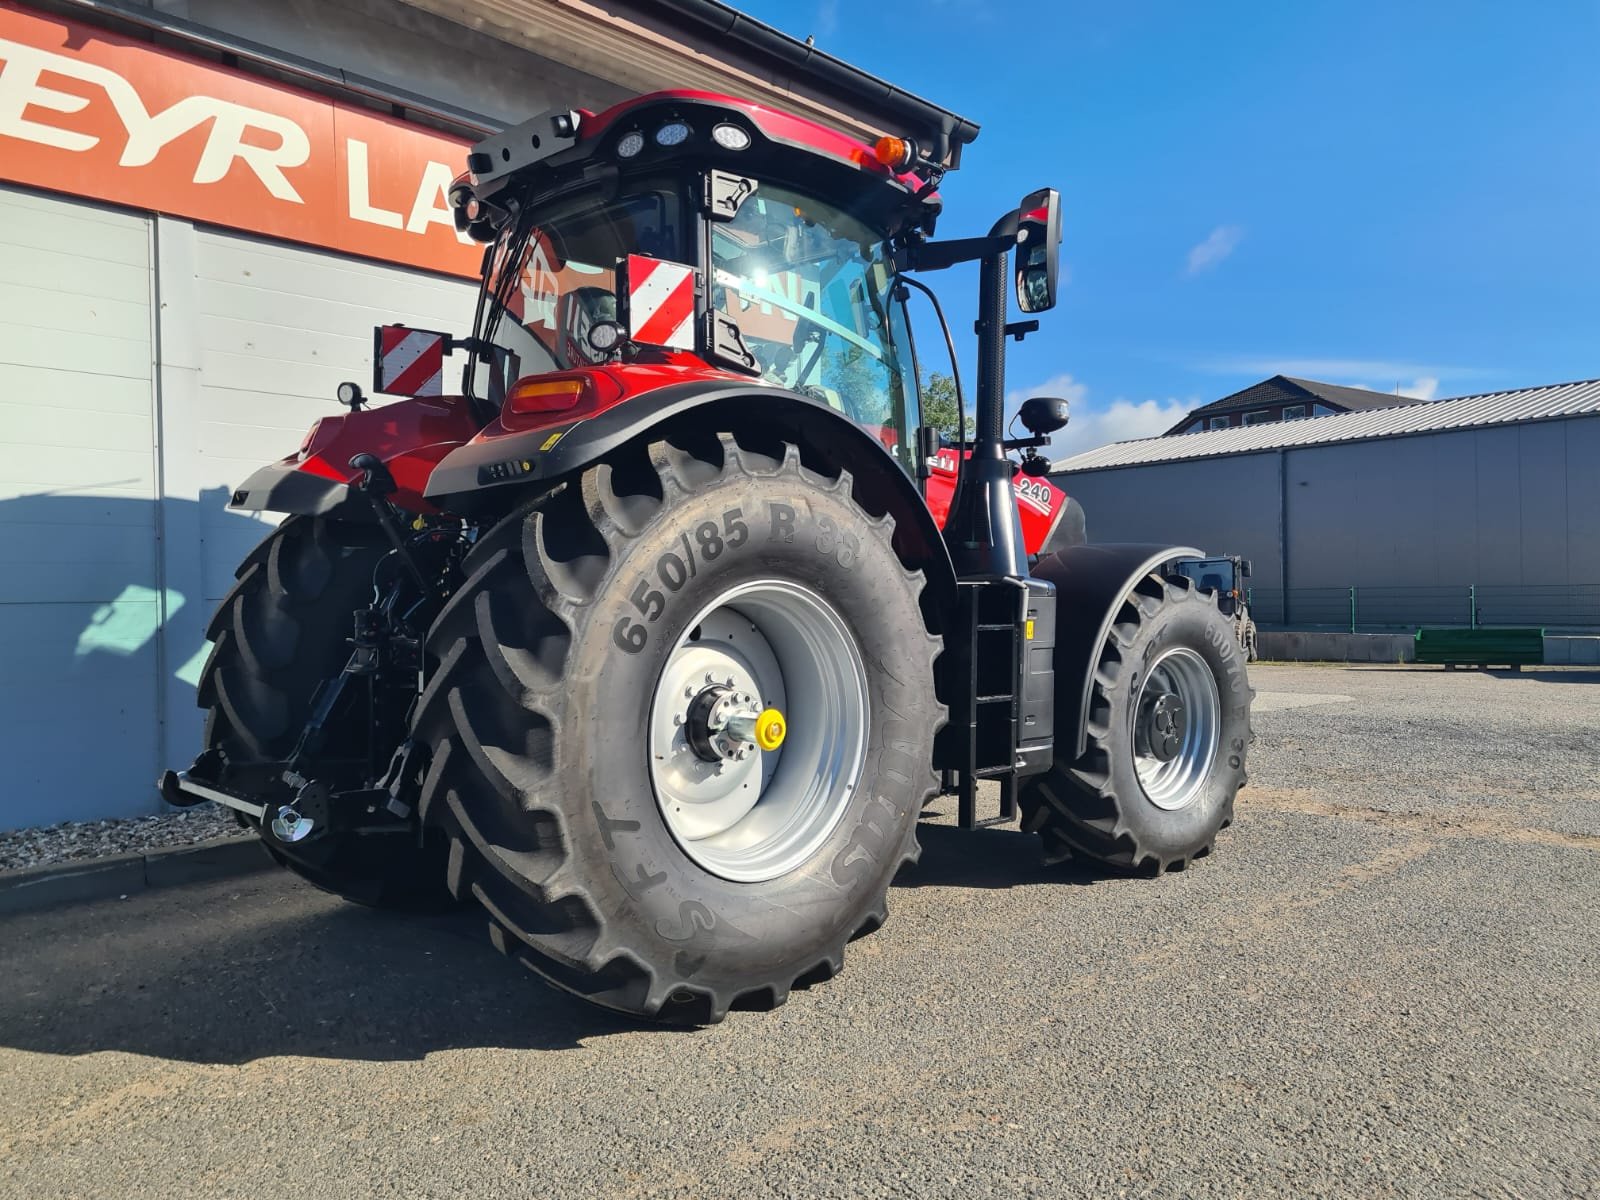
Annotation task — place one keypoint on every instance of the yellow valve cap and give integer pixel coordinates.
(770, 729)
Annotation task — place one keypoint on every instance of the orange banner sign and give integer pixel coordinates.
(91, 113)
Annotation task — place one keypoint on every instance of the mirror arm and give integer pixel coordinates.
(936, 256)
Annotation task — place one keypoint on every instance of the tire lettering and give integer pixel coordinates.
(646, 881)
(607, 825)
(648, 600)
(892, 797)
(838, 544)
(782, 517)
(734, 529)
(849, 550)
(710, 540)
(852, 864)
(825, 535)
(672, 571)
(693, 918)
(629, 636)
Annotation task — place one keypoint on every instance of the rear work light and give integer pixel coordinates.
(546, 395)
(730, 137)
(673, 133)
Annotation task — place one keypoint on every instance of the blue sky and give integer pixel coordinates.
(1376, 194)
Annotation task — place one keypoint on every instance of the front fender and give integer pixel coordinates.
(1092, 582)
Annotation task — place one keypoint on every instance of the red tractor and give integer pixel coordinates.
(656, 640)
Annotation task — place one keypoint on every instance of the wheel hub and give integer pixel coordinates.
(720, 724)
(1162, 723)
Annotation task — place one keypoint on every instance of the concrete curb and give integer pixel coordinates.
(55, 884)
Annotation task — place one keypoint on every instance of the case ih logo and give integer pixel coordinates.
(87, 112)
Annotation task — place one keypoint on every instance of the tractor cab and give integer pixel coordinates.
(699, 236)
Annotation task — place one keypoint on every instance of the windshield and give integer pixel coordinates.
(810, 291)
(553, 279)
(805, 282)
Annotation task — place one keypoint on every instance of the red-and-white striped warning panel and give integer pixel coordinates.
(410, 361)
(660, 302)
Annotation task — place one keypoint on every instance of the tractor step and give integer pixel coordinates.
(1004, 729)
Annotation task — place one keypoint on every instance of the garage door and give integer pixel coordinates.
(80, 601)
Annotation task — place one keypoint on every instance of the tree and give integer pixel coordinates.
(939, 406)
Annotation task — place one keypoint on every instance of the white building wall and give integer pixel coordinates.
(147, 366)
(80, 603)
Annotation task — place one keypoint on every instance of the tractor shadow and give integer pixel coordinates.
(262, 966)
(994, 857)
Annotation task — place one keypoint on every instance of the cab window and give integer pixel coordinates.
(812, 295)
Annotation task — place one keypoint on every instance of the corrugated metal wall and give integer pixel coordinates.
(1514, 506)
(125, 428)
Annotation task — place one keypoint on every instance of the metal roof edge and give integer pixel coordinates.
(1523, 406)
(1057, 469)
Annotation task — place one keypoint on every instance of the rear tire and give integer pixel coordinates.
(1119, 803)
(277, 635)
(549, 769)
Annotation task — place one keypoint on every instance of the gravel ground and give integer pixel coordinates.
(72, 840)
(1383, 983)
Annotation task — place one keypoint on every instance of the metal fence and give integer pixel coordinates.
(1557, 606)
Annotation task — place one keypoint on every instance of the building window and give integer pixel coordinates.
(1260, 417)
(1294, 412)
(1217, 423)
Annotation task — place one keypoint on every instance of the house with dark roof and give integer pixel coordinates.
(1283, 398)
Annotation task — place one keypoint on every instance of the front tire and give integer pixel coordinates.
(592, 622)
(1168, 728)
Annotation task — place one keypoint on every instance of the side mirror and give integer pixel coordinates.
(1244, 567)
(1043, 415)
(408, 362)
(1038, 250)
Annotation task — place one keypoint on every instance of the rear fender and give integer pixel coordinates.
(1092, 582)
(411, 437)
(496, 471)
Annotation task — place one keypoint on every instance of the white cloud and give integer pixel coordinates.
(1121, 421)
(1220, 242)
(1091, 425)
(1424, 387)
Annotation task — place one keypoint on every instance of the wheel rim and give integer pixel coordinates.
(747, 813)
(1178, 718)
